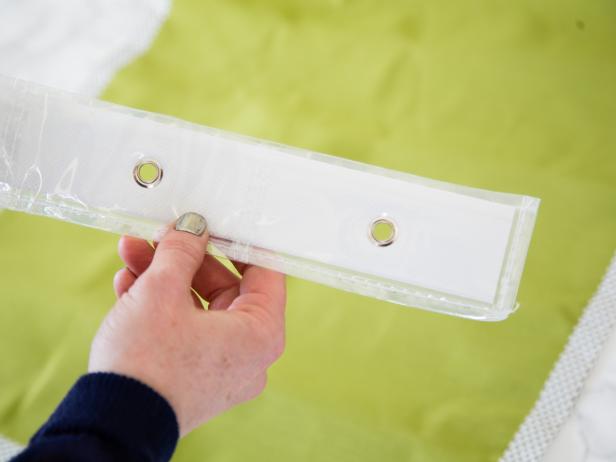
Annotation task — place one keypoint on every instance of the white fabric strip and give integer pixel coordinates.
(574, 419)
(456, 250)
(73, 45)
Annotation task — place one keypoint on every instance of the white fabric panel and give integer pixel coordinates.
(574, 419)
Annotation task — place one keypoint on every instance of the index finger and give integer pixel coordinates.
(270, 283)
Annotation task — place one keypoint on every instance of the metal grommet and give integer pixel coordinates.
(383, 232)
(147, 173)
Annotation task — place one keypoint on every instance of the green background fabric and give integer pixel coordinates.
(511, 96)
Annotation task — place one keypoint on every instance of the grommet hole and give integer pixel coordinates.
(383, 232)
(147, 173)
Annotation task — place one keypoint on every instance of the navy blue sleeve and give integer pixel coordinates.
(106, 417)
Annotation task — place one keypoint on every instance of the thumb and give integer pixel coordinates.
(182, 249)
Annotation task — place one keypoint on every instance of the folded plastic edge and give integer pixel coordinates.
(368, 285)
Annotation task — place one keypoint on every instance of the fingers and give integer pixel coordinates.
(181, 251)
(136, 254)
(213, 279)
(224, 299)
(257, 280)
(122, 281)
(181, 256)
(263, 291)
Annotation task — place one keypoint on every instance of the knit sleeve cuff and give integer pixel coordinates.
(120, 409)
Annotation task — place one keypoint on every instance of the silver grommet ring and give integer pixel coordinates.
(383, 232)
(148, 173)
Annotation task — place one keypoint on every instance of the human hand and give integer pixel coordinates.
(202, 361)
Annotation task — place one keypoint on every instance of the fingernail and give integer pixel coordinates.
(192, 223)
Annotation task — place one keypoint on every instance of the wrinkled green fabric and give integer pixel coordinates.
(511, 96)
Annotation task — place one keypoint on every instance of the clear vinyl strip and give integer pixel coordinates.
(447, 248)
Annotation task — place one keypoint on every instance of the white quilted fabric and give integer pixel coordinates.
(574, 419)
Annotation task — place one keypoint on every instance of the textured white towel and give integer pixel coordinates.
(72, 44)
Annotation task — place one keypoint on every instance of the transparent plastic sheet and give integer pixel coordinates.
(456, 250)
